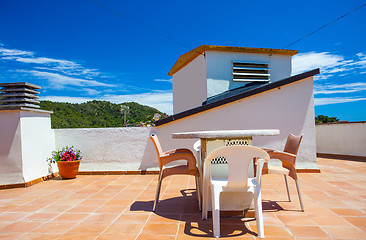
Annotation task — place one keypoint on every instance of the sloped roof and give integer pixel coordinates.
(236, 94)
(186, 58)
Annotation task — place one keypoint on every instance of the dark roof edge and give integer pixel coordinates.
(265, 88)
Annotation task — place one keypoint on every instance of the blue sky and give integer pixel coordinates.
(79, 51)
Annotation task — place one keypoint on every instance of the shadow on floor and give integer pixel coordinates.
(185, 209)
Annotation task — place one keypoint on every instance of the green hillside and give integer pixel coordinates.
(97, 114)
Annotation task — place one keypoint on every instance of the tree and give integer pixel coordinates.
(325, 119)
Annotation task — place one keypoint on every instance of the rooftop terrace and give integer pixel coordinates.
(120, 207)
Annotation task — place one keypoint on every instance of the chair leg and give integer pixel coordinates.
(288, 190)
(198, 191)
(298, 193)
(215, 211)
(157, 193)
(258, 212)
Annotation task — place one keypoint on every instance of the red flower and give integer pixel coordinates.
(68, 156)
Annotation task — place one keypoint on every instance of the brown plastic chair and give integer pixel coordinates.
(170, 156)
(288, 159)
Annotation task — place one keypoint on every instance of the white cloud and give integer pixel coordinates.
(64, 67)
(162, 100)
(59, 81)
(334, 100)
(340, 88)
(66, 99)
(163, 80)
(328, 63)
(90, 91)
(14, 52)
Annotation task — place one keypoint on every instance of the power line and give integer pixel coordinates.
(141, 24)
(298, 40)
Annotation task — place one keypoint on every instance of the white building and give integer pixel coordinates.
(227, 88)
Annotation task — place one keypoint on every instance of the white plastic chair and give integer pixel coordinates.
(234, 180)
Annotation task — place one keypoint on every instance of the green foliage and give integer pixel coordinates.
(97, 114)
(325, 119)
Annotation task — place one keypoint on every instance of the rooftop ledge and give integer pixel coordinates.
(186, 58)
(25, 109)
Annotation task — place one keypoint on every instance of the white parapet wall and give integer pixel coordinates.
(111, 149)
(341, 138)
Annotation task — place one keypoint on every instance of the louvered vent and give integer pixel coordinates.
(250, 72)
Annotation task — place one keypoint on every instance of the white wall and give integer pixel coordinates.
(219, 69)
(26, 140)
(289, 108)
(342, 138)
(110, 149)
(189, 85)
(10, 148)
(38, 141)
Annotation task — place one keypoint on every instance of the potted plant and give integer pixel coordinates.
(68, 161)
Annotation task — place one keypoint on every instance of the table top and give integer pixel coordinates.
(227, 133)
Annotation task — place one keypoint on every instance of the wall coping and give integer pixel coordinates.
(26, 109)
(330, 123)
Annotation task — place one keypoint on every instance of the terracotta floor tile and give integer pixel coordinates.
(280, 238)
(40, 217)
(84, 208)
(91, 227)
(296, 220)
(345, 232)
(307, 231)
(54, 227)
(348, 212)
(78, 236)
(164, 218)
(97, 202)
(5, 223)
(133, 217)
(39, 236)
(124, 227)
(330, 221)
(70, 217)
(101, 217)
(10, 235)
(160, 229)
(149, 236)
(124, 236)
(9, 216)
(319, 212)
(271, 230)
(110, 209)
(27, 208)
(55, 208)
(21, 227)
(357, 221)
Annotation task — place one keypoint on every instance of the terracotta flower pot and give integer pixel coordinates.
(68, 169)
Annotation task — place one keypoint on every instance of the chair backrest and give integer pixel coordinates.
(293, 144)
(154, 138)
(238, 160)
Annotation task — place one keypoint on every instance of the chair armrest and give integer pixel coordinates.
(284, 157)
(288, 161)
(188, 156)
(179, 150)
(259, 168)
